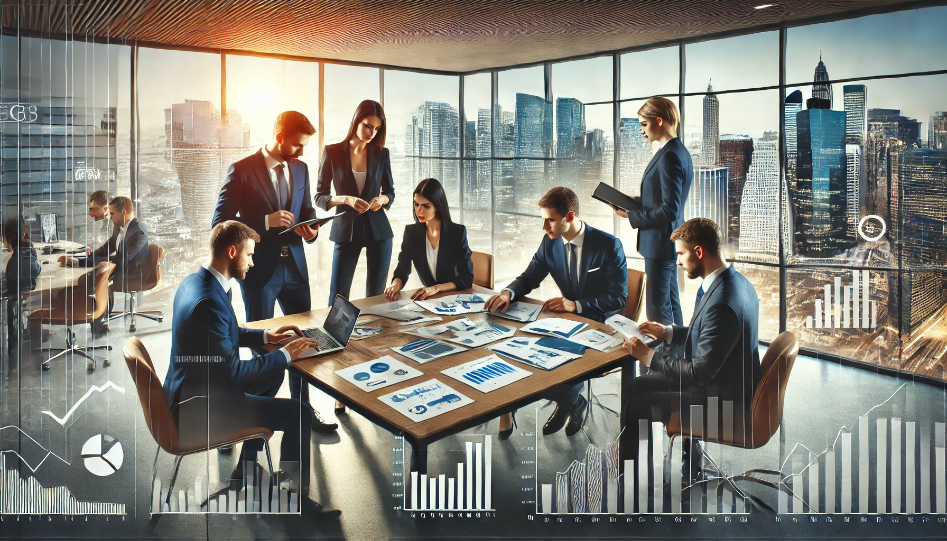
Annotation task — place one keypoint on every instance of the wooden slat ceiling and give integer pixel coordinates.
(452, 35)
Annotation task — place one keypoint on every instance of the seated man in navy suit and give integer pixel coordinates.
(721, 355)
(589, 267)
(210, 390)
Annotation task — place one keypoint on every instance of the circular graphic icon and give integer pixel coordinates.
(875, 224)
(362, 376)
(102, 455)
(378, 368)
(400, 372)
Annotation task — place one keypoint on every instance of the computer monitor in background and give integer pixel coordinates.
(47, 227)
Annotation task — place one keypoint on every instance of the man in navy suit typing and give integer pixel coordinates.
(210, 390)
(269, 191)
(720, 346)
(589, 268)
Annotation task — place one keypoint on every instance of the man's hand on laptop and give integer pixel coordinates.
(282, 333)
(299, 346)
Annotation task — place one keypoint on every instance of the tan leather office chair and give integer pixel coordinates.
(83, 302)
(635, 293)
(161, 424)
(483, 269)
(150, 279)
(766, 409)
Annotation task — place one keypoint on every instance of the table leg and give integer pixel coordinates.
(419, 457)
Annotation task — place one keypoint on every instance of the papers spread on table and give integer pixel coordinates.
(486, 374)
(425, 350)
(527, 351)
(378, 374)
(523, 312)
(472, 331)
(425, 400)
(423, 318)
(626, 327)
(360, 333)
(555, 326)
(403, 310)
(596, 340)
(454, 305)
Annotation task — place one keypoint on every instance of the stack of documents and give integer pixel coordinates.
(527, 351)
(523, 312)
(472, 331)
(453, 305)
(555, 326)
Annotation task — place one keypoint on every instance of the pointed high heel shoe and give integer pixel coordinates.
(503, 435)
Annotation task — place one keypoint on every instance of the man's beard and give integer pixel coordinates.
(239, 273)
(696, 272)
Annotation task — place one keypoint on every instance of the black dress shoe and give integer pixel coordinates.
(556, 421)
(320, 425)
(504, 435)
(577, 416)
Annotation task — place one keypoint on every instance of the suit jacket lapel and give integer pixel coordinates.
(588, 248)
(713, 287)
(263, 178)
(348, 177)
(654, 159)
(420, 252)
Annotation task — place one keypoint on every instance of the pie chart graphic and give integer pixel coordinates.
(102, 455)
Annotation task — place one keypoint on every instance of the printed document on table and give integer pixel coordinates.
(378, 374)
(596, 340)
(426, 350)
(425, 400)
(527, 351)
(523, 312)
(472, 331)
(487, 374)
(555, 326)
(626, 327)
(454, 305)
(402, 310)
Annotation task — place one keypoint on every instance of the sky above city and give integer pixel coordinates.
(909, 41)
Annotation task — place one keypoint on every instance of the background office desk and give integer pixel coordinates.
(320, 371)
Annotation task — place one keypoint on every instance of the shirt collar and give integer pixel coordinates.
(224, 283)
(709, 280)
(271, 162)
(579, 239)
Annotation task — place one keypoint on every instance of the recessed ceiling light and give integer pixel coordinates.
(764, 6)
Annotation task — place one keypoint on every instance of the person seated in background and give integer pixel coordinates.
(100, 230)
(205, 361)
(721, 356)
(589, 268)
(435, 244)
(19, 276)
(127, 248)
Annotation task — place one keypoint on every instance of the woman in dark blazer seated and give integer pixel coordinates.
(664, 188)
(20, 275)
(436, 245)
(360, 171)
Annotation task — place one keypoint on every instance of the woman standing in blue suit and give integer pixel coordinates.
(435, 245)
(359, 169)
(664, 188)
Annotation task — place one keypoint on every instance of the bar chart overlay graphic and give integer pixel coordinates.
(471, 489)
(26, 496)
(258, 493)
(845, 306)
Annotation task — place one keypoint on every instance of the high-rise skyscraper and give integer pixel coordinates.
(822, 90)
(759, 202)
(937, 131)
(710, 137)
(856, 116)
(433, 133)
(532, 138)
(708, 197)
(570, 124)
(853, 186)
(922, 174)
(736, 154)
(820, 208)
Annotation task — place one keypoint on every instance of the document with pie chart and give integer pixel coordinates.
(378, 374)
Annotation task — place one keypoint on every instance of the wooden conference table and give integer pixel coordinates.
(320, 371)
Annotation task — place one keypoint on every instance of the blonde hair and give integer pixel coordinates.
(658, 107)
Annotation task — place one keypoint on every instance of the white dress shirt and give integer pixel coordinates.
(705, 284)
(271, 164)
(360, 177)
(120, 238)
(225, 283)
(578, 241)
(431, 256)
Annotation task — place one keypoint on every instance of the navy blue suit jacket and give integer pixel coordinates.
(664, 188)
(721, 345)
(603, 274)
(453, 256)
(335, 170)
(248, 196)
(205, 340)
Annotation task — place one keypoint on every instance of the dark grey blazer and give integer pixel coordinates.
(335, 170)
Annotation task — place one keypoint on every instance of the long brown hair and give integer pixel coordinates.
(366, 109)
(665, 109)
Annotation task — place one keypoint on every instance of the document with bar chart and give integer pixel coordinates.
(469, 487)
(487, 374)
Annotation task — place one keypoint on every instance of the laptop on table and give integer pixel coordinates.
(334, 334)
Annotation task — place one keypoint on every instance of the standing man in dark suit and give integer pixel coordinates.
(591, 271)
(127, 248)
(721, 344)
(269, 192)
(210, 390)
